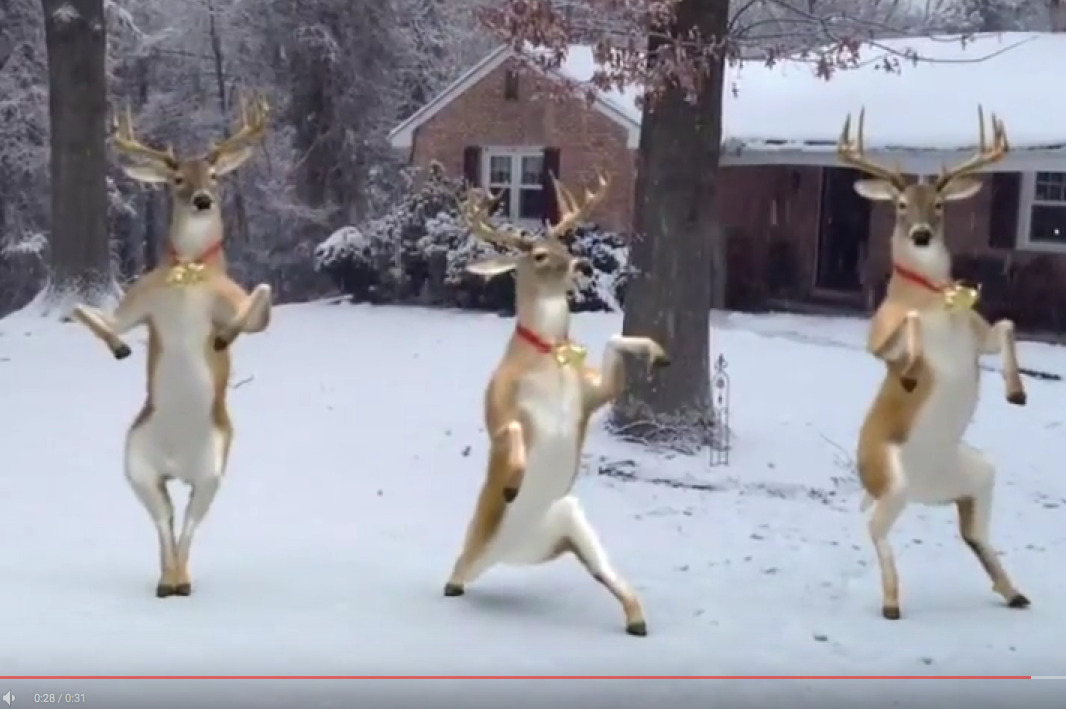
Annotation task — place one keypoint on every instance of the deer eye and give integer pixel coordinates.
(938, 207)
(540, 257)
(901, 206)
(179, 180)
(212, 174)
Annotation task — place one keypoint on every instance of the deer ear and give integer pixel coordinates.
(148, 173)
(877, 190)
(229, 161)
(495, 266)
(960, 188)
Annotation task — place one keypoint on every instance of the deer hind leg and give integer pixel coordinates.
(150, 488)
(473, 559)
(201, 497)
(975, 512)
(568, 530)
(885, 510)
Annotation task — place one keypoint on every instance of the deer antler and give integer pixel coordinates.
(984, 155)
(253, 127)
(126, 142)
(570, 210)
(475, 211)
(854, 153)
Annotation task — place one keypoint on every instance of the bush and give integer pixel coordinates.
(418, 252)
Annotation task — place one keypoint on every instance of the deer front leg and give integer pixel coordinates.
(131, 311)
(904, 346)
(251, 314)
(999, 339)
(601, 387)
(512, 437)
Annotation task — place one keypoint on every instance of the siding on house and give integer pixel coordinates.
(586, 139)
(771, 214)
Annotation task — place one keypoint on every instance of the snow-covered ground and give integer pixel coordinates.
(358, 455)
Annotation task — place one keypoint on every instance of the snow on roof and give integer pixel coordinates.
(926, 105)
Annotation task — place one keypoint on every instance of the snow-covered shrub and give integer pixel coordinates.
(418, 251)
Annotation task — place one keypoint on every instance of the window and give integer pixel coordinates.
(1043, 218)
(515, 176)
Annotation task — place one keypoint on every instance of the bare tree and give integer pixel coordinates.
(677, 50)
(76, 39)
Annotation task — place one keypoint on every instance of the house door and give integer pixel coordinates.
(843, 231)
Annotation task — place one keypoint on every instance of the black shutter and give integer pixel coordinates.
(472, 165)
(1003, 209)
(510, 85)
(550, 169)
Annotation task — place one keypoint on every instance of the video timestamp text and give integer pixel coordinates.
(58, 698)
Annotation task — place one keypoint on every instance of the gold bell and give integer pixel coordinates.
(961, 297)
(570, 355)
(186, 274)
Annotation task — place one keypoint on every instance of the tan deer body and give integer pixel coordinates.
(537, 408)
(193, 311)
(926, 331)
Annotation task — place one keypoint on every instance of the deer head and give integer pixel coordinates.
(544, 268)
(918, 236)
(193, 183)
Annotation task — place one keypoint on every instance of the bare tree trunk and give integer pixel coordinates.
(76, 42)
(1057, 13)
(669, 298)
(239, 210)
(150, 220)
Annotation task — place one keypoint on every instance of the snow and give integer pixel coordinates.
(358, 455)
(66, 13)
(929, 105)
(343, 241)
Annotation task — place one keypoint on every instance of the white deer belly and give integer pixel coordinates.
(183, 388)
(930, 454)
(554, 409)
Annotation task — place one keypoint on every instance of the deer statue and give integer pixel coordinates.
(537, 409)
(930, 337)
(193, 312)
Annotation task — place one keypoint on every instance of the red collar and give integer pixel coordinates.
(917, 279)
(538, 342)
(206, 255)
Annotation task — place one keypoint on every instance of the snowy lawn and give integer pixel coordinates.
(358, 456)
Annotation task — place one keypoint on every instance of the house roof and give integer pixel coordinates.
(920, 115)
(402, 136)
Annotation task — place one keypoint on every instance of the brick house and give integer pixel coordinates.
(796, 231)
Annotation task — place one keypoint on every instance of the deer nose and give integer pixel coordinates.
(202, 201)
(921, 236)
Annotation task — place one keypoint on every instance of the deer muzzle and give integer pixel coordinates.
(202, 201)
(921, 234)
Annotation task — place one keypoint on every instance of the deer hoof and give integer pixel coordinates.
(164, 590)
(1017, 398)
(222, 343)
(890, 612)
(1018, 601)
(637, 628)
(661, 361)
(122, 351)
(451, 590)
(908, 383)
(510, 493)
(183, 589)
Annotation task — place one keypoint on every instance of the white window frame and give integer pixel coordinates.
(1026, 201)
(515, 155)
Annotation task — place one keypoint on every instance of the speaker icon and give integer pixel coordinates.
(8, 698)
